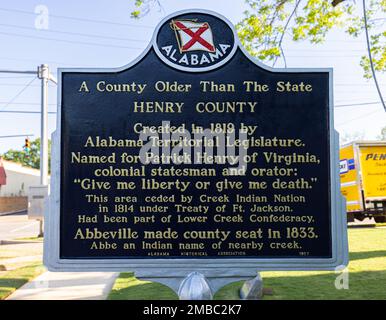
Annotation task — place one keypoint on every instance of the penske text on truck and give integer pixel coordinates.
(363, 179)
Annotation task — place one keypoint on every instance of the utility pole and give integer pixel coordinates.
(44, 75)
(18, 71)
(17, 136)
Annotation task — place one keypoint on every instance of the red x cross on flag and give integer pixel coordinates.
(192, 36)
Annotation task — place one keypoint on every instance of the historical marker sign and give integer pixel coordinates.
(197, 157)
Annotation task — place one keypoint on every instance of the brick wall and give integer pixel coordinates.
(10, 204)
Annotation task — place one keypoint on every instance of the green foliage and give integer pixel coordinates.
(382, 136)
(376, 17)
(142, 7)
(137, 12)
(350, 137)
(378, 51)
(267, 22)
(29, 159)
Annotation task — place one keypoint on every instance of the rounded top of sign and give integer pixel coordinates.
(195, 40)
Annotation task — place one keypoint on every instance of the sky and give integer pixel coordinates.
(96, 33)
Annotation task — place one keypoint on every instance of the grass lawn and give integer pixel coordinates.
(367, 277)
(14, 279)
(10, 251)
(15, 256)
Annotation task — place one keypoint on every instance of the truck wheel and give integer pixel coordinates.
(380, 219)
(359, 216)
(350, 217)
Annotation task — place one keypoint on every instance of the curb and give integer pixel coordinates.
(2, 242)
(11, 212)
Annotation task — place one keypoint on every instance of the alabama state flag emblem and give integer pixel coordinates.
(193, 36)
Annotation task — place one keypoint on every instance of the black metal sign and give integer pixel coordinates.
(197, 152)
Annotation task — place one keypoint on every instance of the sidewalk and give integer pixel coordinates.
(67, 286)
(49, 285)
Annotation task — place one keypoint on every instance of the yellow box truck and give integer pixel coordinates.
(363, 179)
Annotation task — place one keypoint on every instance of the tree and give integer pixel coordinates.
(350, 137)
(29, 158)
(267, 23)
(382, 136)
(143, 7)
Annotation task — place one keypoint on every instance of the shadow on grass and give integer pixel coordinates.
(14, 279)
(367, 255)
(8, 285)
(362, 286)
(128, 287)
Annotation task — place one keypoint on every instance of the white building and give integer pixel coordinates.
(15, 181)
(18, 179)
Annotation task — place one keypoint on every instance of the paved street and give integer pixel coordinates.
(18, 226)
